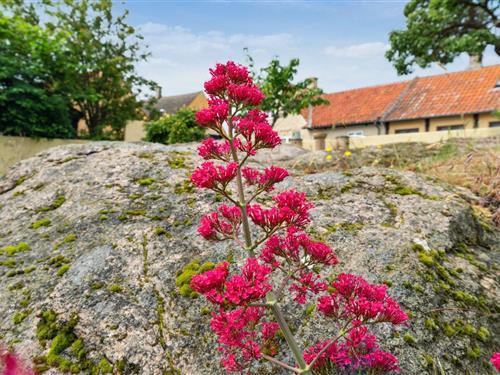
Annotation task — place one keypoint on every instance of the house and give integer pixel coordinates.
(166, 105)
(452, 101)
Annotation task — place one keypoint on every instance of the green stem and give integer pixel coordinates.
(290, 340)
(241, 196)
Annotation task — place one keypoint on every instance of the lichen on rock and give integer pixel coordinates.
(94, 288)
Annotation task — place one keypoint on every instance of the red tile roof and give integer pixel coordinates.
(471, 91)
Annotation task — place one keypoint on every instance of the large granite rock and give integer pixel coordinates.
(92, 237)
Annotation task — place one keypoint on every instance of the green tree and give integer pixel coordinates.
(102, 50)
(176, 128)
(283, 96)
(31, 102)
(437, 31)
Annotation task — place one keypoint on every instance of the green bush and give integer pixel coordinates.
(176, 128)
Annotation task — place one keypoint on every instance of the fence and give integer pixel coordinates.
(14, 149)
(424, 137)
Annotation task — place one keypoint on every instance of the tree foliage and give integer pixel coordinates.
(283, 96)
(176, 128)
(101, 51)
(437, 31)
(31, 102)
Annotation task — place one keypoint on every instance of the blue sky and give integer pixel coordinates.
(340, 42)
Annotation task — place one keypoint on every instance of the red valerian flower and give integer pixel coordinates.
(334, 354)
(251, 175)
(355, 298)
(272, 175)
(214, 227)
(211, 279)
(307, 284)
(295, 206)
(257, 132)
(12, 365)
(495, 360)
(247, 94)
(210, 176)
(236, 330)
(211, 149)
(214, 116)
(381, 362)
(251, 285)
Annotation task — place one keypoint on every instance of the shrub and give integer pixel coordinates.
(177, 128)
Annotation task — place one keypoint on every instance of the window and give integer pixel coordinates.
(450, 127)
(404, 131)
(495, 124)
(357, 133)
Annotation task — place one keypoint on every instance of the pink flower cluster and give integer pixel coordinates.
(495, 360)
(353, 298)
(264, 180)
(222, 224)
(244, 298)
(359, 353)
(12, 365)
(215, 177)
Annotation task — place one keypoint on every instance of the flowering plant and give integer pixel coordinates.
(247, 315)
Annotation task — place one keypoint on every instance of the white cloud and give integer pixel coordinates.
(363, 50)
(181, 57)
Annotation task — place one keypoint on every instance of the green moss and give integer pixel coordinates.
(483, 334)
(417, 247)
(58, 261)
(310, 309)
(21, 179)
(160, 230)
(418, 288)
(474, 352)
(62, 270)
(430, 324)
(68, 239)
(409, 339)
(47, 326)
(425, 258)
(40, 223)
(387, 282)
(346, 226)
(115, 288)
(177, 162)
(184, 187)
(9, 263)
(58, 202)
(20, 316)
(469, 330)
(428, 360)
(29, 269)
(12, 250)
(448, 329)
(16, 286)
(461, 296)
(105, 367)
(96, 285)
(145, 181)
(136, 212)
(347, 187)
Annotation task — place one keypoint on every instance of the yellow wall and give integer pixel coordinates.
(199, 102)
(486, 118)
(411, 124)
(14, 149)
(425, 137)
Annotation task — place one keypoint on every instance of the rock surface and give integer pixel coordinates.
(106, 227)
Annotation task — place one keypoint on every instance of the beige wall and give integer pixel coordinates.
(418, 124)
(134, 131)
(199, 102)
(14, 149)
(425, 137)
(434, 123)
(287, 126)
(331, 139)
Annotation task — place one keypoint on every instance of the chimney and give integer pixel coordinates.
(475, 62)
(158, 92)
(312, 85)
